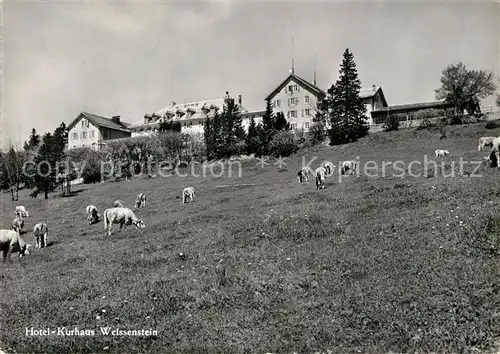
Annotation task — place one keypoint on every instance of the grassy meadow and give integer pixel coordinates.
(367, 265)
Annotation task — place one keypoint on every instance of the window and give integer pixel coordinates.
(290, 88)
(83, 135)
(307, 125)
(302, 112)
(295, 88)
(293, 114)
(278, 103)
(293, 101)
(83, 123)
(306, 99)
(308, 112)
(293, 126)
(74, 135)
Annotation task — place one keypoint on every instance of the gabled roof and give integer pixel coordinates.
(303, 83)
(99, 122)
(367, 92)
(420, 105)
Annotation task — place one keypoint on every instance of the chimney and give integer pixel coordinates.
(172, 104)
(374, 87)
(116, 119)
(239, 100)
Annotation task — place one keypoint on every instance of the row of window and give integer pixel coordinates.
(304, 113)
(292, 88)
(293, 101)
(83, 135)
(85, 123)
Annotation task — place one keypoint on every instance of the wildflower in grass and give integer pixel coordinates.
(97, 317)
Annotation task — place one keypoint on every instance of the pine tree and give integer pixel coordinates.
(253, 139)
(33, 141)
(45, 178)
(344, 108)
(268, 121)
(281, 122)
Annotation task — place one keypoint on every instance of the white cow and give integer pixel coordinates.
(441, 153)
(304, 174)
(11, 241)
(122, 216)
(188, 192)
(140, 201)
(21, 211)
(119, 204)
(485, 141)
(348, 166)
(329, 167)
(320, 177)
(92, 214)
(41, 234)
(18, 224)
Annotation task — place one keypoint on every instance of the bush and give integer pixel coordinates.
(492, 125)
(87, 164)
(317, 134)
(283, 144)
(391, 123)
(426, 123)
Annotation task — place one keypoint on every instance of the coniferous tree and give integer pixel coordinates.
(281, 122)
(45, 179)
(343, 107)
(33, 141)
(254, 138)
(268, 121)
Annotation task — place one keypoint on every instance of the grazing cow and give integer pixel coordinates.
(21, 211)
(494, 157)
(119, 204)
(41, 231)
(122, 216)
(441, 153)
(188, 192)
(11, 241)
(329, 167)
(92, 214)
(320, 177)
(140, 201)
(18, 224)
(304, 174)
(485, 141)
(348, 166)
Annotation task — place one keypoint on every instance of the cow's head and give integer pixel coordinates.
(139, 224)
(24, 250)
(446, 152)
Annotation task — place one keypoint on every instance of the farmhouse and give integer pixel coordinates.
(298, 100)
(191, 115)
(92, 130)
(412, 111)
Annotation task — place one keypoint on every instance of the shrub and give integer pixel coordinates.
(87, 164)
(317, 134)
(426, 123)
(283, 144)
(491, 125)
(391, 123)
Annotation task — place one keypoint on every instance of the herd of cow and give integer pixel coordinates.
(325, 170)
(11, 240)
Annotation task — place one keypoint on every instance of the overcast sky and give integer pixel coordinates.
(132, 58)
